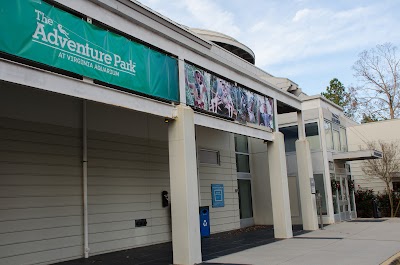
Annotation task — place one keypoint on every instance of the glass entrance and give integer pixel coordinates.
(245, 202)
(244, 181)
(341, 200)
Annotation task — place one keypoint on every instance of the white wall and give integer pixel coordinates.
(40, 177)
(224, 218)
(127, 171)
(357, 136)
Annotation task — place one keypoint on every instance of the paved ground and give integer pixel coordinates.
(363, 241)
(212, 247)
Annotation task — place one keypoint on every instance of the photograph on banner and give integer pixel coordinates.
(214, 94)
(197, 87)
(265, 117)
(221, 97)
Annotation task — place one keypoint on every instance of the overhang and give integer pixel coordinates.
(254, 131)
(357, 155)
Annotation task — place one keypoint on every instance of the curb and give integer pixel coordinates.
(393, 260)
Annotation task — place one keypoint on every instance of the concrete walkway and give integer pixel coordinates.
(361, 241)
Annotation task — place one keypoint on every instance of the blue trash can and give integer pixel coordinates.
(204, 221)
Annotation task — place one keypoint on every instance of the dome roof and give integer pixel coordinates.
(228, 43)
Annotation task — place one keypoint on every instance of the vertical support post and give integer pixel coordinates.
(262, 208)
(319, 203)
(85, 182)
(181, 69)
(85, 192)
(186, 243)
(276, 124)
(305, 174)
(327, 176)
(279, 187)
(301, 128)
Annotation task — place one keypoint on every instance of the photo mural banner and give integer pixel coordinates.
(213, 94)
(37, 31)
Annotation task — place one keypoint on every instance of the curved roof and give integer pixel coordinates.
(228, 43)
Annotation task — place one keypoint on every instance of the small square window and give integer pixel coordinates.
(209, 157)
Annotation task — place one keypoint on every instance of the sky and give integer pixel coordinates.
(308, 41)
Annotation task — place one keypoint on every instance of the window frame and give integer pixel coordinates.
(211, 151)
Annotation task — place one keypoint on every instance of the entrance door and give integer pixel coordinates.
(244, 181)
(245, 203)
(345, 202)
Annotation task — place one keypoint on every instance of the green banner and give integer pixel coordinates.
(37, 31)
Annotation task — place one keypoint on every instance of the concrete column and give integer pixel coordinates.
(186, 243)
(182, 83)
(279, 187)
(327, 177)
(262, 207)
(305, 174)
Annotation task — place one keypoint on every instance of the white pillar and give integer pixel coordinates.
(86, 249)
(305, 175)
(186, 243)
(182, 83)
(262, 207)
(279, 187)
(327, 177)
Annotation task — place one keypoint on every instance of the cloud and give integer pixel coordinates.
(287, 35)
(213, 17)
(306, 13)
(312, 32)
(206, 14)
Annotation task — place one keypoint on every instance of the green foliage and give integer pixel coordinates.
(364, 198)
(384, 202)
(336, 92)
(369, 118)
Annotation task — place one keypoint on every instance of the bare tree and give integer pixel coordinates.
(378, 71)
(385, 168)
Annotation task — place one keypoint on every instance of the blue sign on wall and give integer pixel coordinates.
(217, 194)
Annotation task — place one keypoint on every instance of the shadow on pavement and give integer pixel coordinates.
(216, 245)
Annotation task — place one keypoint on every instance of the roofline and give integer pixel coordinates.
(146, 11)
(232, 41)
(307, 98)
(374, 122)
(139, 7)
(180, 29)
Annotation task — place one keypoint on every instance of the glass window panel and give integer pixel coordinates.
(242, 163)
(352, 201)
(344, 192)
(313, 135)
(245, 202)
(336, 140)
(396, 186)
(334, 193)
(320, 186)
(291, 135)
(328, 135)
(241, 144)
(343, 140)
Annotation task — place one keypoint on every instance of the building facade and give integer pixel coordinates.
(117, 124)
(358, 137)
(326, 130)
